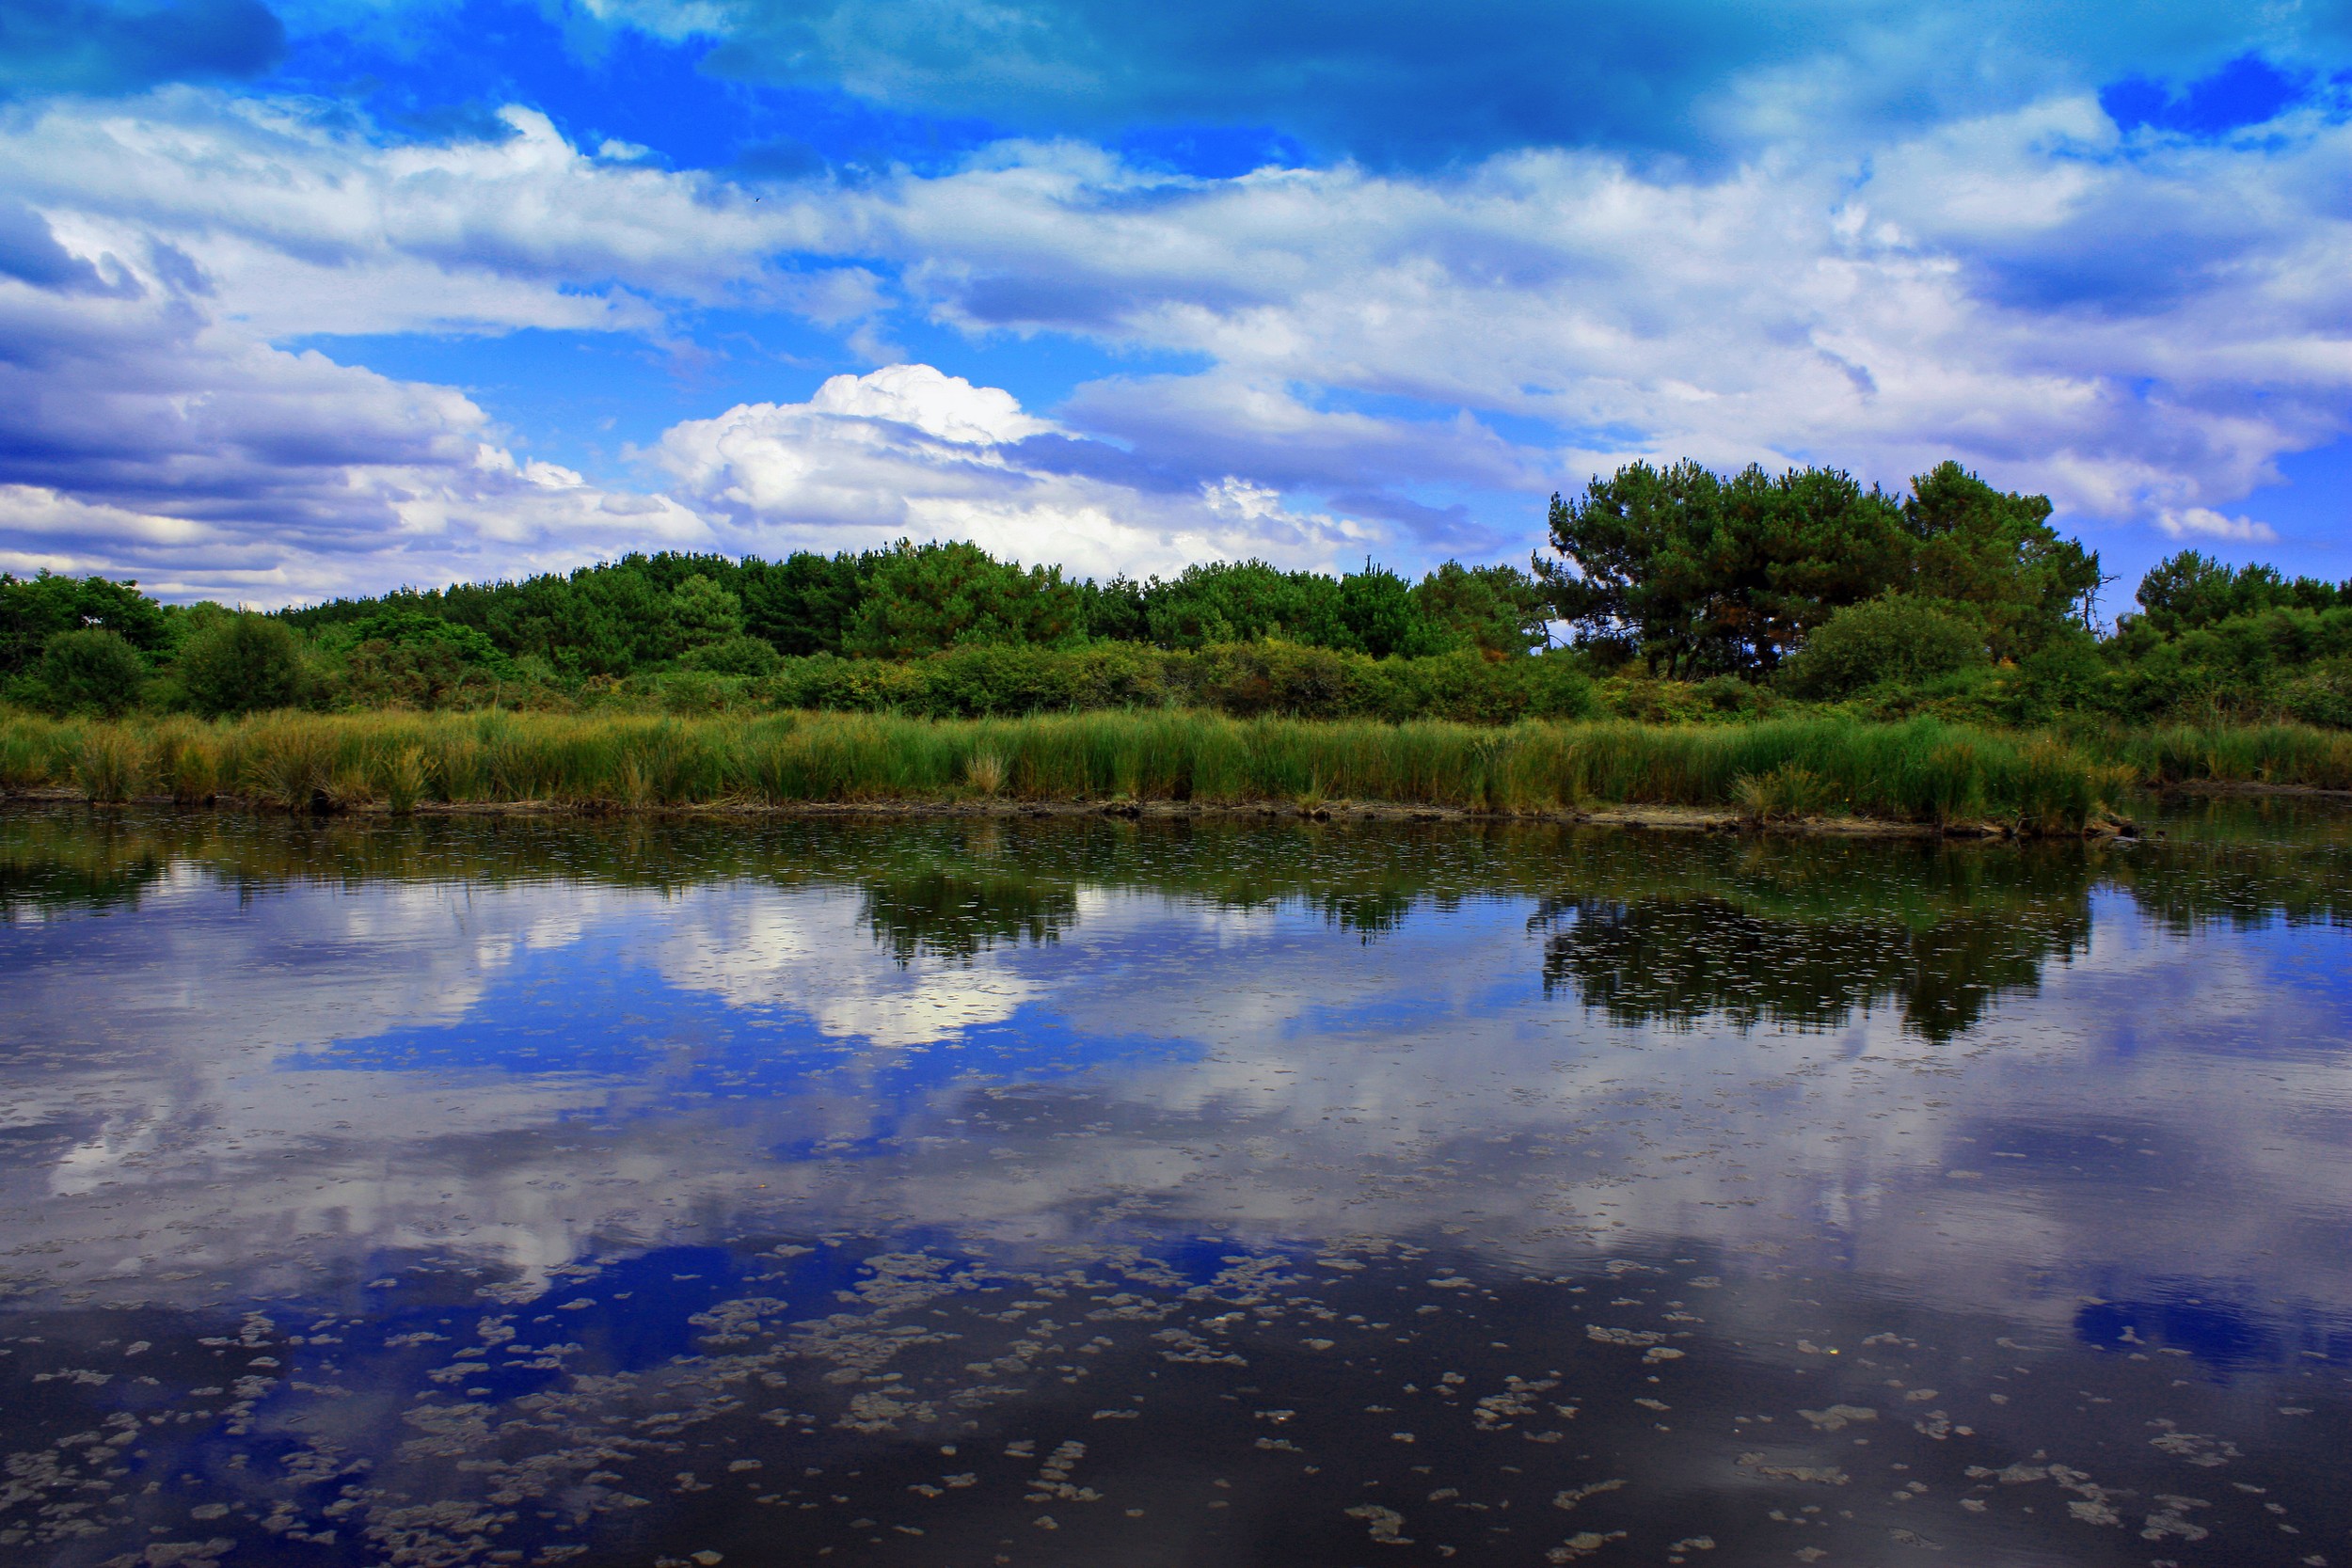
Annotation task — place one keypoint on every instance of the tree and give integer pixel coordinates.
(238, 662)
(1237, 601)
(36, 609)
(1699, 574)
(91, 670)
(1116, 611)
(2188, 591)
(1995, 551)
(921, 598)
(408, 656)
(1374, 612)
(704, 612)
(804, 602)
(1499, 609)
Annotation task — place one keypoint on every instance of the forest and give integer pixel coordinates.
(1667, 594)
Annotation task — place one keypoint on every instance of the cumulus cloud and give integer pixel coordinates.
(909, 451)
(2203, 522)
(148, 423)
(137, 436)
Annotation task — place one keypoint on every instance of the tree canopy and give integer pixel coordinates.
(1699, 574)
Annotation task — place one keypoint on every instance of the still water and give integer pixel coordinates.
(1098, 1193)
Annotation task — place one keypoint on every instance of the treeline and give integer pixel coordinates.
(642, 612)
(1667, 594)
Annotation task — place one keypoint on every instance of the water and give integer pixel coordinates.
(473, 1192)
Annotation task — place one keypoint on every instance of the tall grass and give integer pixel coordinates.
(1920, 771)
(2218, 753)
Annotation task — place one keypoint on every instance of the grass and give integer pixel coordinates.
(1922, 770)
(2250, 753)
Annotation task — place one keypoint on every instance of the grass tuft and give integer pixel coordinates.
(984, 770)
(111, 763)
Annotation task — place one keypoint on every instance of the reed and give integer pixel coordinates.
(1919, 770)
(111, 763)
(2295, 754)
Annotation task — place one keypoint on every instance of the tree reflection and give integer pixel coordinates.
(1688, 960)
(956, 915)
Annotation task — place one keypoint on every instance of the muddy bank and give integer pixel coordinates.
(1637, 817)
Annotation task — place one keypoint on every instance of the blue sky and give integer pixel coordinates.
(311, 298)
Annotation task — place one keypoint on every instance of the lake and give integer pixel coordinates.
(1007, 1192)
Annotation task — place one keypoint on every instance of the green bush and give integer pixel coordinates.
(91, 671)
(738, 654)
(1891, 639)
(241, 663)
(2321, 695)
(1243, 679)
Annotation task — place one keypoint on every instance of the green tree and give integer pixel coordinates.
(1238, 601)
(805, 603)
(921, 598)
(740, 654)
(1997, 552)
(1498, 609)
(2190, 591)
(91, 670)
(1699, 574)
(1117, 610)
(1374, 612)
(239, 662)
(704, 612)
(36, 609)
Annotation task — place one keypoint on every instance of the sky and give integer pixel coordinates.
(309, 297)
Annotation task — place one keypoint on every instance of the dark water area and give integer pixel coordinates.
(468, 1191)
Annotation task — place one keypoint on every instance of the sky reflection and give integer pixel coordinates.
(2027, 1096)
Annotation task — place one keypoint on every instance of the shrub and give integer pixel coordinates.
(240, 663)
(1892, 638)
(738, 654)
(2321, 696)
(91, 671)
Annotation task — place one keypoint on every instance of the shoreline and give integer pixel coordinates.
(1632, 817)
(2253, 787)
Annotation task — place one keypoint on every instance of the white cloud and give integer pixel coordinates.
(2127, 332)
(938, 404)
(2203, 522)
(814, 954)
(908, 451)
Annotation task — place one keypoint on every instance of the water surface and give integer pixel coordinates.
(471, 1192)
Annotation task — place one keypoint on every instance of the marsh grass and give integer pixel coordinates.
(1786, 794)
(2298, 755)
(1922, 770)
(403, 774)
(111, 763)
(186, 759)
(984, 772)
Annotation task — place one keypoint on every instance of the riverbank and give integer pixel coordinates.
(1839, 774)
